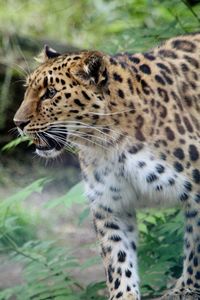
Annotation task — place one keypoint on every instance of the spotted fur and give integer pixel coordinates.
(134, 119)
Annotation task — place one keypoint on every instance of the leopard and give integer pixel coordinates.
(133, 119)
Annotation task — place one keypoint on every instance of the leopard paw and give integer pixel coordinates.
(129, 296)
(176, 294)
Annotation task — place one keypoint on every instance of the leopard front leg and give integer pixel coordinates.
(188, 286)
(117, 237)
(112, 205)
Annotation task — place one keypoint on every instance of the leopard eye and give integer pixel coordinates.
(49, 94)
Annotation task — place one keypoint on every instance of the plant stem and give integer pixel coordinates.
(191, 9)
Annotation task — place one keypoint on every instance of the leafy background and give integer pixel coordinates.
(47, 249)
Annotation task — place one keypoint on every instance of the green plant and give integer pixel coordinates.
(47, 274)
(161, 242)
(46, 265)
(15, 224)
(15, 142)
(159, 232)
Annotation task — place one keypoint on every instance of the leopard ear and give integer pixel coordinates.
(46, 54)
(91, 69)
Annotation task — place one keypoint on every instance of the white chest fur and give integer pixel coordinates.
(125, 180)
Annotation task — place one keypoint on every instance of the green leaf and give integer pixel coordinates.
(14, 143)
(90, 262)
(20, 196)
(74, 195)
(143, 228)
(83, 215)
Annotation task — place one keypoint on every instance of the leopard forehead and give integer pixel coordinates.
(54, 71)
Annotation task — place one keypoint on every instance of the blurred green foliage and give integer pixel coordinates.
(54, 281)
(110, 25)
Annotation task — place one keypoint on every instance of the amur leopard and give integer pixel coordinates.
(135, 122)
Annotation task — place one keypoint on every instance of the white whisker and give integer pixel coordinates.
(58, 140)
(13, 130)
(58, 131)
(89, 141)
(20, 69)
(91, 128)
(110, 114)
(23, 56)
(79, 135)
(85, 125)
(44, 140)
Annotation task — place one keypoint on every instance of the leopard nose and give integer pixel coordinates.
(21, 124)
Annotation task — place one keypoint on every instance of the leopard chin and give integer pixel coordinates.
(50, 153)
(50, 148)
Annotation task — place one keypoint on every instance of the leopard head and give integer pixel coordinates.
(65, 101)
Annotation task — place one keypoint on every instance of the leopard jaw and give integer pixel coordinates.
(52, 153)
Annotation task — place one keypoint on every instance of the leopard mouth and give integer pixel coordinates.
(49, 147)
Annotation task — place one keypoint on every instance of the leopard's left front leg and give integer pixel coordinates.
(116, 233)
(112, 205)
